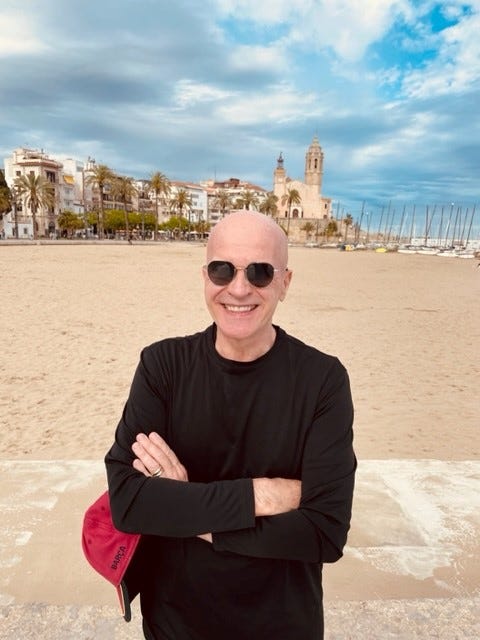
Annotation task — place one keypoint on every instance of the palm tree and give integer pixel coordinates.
(291, 198)
(248, 199)
(100, 176)
(160, 185)
(180, 201)
(223, 201)
(124, 189)
(309, 228)
(347, 221)
(38, 192)
(269, 205)
(331, 229)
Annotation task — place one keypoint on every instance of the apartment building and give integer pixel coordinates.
(37, 163)
(235, 188)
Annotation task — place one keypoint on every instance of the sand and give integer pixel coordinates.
(73, 319)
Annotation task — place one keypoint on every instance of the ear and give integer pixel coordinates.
(287, 277)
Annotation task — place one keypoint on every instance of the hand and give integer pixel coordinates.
(206, 536)
(276, 495)
(152, 454)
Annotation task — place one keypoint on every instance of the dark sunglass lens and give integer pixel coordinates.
(220, 273)
(260, 274)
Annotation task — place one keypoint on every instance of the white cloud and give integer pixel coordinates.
(18, 35)
(399, 143)
(457, 66)
(279, 104)
(348, 27)
(188, 93)
(246, 57)
(264, 11)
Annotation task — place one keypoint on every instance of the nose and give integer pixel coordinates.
(240, 285)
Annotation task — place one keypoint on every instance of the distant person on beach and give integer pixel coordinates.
(233, 458)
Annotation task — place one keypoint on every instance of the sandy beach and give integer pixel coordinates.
(74, 318)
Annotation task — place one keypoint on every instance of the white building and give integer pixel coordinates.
(198, 195)
(68, 178)
(235, 188)
(22, 163)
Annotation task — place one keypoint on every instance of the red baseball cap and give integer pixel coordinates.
(110, 551)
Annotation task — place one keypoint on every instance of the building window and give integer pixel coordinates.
(50, 176)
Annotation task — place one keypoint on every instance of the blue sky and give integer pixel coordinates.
(218, 88)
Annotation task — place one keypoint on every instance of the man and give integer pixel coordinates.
(234, 458)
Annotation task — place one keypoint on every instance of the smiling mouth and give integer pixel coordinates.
(244, 308)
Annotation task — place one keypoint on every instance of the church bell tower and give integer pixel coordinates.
(314, 165)
(279, 178)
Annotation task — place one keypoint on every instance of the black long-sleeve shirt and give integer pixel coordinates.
(287, 414)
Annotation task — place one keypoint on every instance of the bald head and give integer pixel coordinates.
(260, 232)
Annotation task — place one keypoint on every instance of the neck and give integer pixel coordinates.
(243, 351)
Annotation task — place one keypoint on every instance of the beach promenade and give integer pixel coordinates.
(73, 320)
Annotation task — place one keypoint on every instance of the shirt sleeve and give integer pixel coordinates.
(317, 530)
(161, 506)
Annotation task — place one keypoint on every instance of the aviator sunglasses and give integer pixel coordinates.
(221, 273)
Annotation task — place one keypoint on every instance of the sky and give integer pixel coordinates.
(218, 88)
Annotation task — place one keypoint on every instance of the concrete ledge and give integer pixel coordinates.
(411, 568)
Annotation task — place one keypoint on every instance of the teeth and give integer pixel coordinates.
(238, 309)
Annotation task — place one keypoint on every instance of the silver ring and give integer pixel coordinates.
(158, 473)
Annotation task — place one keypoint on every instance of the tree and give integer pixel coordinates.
(309, 228)
(114, 220)
(160, 185)
(248, 199)
(202, 227)
(331, 229)
(5, 200)
(269, 205)
(5, 195)
(38, 192)
(100, 176)
(69, 221)
(175, 225)
(223, 201)
(347, 221)
(291, 198)
(124, 189)
(180, 201)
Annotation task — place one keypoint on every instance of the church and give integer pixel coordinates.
(312, 204)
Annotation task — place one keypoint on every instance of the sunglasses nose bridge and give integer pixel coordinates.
(243, 279)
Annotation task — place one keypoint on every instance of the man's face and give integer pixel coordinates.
(242, 312)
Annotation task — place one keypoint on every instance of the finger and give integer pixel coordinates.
(170, 460)
(151, 460)
(177, 466)
(159, 442)
(139, 466)
(153, 457)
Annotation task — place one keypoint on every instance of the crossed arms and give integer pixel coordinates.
(272, 496)
(305, 519)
